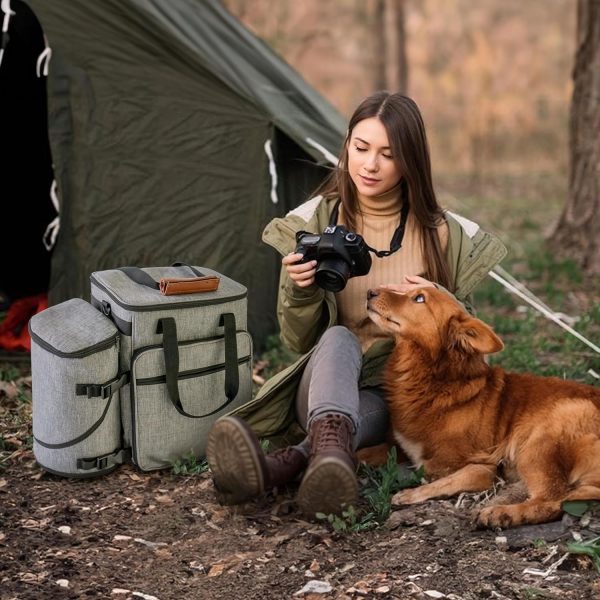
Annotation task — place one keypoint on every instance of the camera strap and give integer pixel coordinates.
(396, 242)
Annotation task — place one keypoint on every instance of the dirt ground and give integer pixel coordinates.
(131, 535)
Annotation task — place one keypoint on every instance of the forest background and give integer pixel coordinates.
(493, 78)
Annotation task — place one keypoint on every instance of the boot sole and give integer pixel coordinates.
(328, 488)
(232, 454)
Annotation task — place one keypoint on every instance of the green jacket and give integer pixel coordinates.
(304, 314)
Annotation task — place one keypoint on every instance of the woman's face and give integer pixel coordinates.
(370, 162)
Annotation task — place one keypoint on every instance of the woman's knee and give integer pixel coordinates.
(338, 334)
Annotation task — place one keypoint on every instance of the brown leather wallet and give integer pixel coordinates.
(169, 286)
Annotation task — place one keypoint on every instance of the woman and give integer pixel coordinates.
(382, 189)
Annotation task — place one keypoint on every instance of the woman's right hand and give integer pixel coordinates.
(302, 274)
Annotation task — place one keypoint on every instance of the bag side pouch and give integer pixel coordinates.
(75, 383)
(209, 384)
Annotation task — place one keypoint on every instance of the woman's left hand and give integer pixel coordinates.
(410, 282)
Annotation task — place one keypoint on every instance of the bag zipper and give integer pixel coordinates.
(189, 374)
(98, 347)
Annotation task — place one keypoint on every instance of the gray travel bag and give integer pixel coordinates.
(75, 390)
(183, 361)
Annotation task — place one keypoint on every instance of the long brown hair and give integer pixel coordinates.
(405, 129)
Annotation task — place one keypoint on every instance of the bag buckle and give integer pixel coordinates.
(102, 462)
(93, 390)
(104, 391)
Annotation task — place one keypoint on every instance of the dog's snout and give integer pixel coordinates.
(372, 294)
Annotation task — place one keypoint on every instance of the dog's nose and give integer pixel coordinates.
(371, 294)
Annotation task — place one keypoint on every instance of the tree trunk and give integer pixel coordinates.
(402, 61)
(380, 80)
(577, 234)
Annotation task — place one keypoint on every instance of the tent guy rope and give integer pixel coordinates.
(494, 274)
(514, 286)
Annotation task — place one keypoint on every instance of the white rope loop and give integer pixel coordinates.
(8, 13)
(272, 171)
(44, 58)
(49, 237)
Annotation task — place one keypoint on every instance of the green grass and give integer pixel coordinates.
(9, 373)
(532, 343)
(383, 482)
(531, 593)
(189, 465)
(589, 548)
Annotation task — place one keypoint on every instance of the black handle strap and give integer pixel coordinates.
(192, 269)
(168, 328)
(142, 278)
(232, 376)
(138, 276)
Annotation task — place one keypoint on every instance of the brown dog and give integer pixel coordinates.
(463, 420)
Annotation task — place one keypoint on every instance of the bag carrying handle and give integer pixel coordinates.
(139, 276)
(168, 328)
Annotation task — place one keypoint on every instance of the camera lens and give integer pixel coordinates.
(332, 274)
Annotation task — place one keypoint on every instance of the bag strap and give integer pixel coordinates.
(102, 390)
(118, 457)
(168, 328)
(192, 269)
(140, 276)
(105, 391)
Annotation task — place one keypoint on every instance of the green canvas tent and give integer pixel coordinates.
(176, 135)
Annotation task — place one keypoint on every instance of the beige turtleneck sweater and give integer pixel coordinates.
(380, 218)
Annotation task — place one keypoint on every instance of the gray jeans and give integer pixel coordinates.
(329, 385)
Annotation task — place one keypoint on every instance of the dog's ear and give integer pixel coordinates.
(472, 334)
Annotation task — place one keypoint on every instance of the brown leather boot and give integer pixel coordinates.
(329, 484)
(241, 470)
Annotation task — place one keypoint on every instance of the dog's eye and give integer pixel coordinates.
(419, 298)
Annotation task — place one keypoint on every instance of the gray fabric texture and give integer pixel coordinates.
(72, 326)
(161, 434)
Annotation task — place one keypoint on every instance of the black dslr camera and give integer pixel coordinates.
(340, 254)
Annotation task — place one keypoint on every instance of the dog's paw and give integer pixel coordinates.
(496, 516)
(411, 496)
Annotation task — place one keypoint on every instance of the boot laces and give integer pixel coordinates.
(334, 432)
